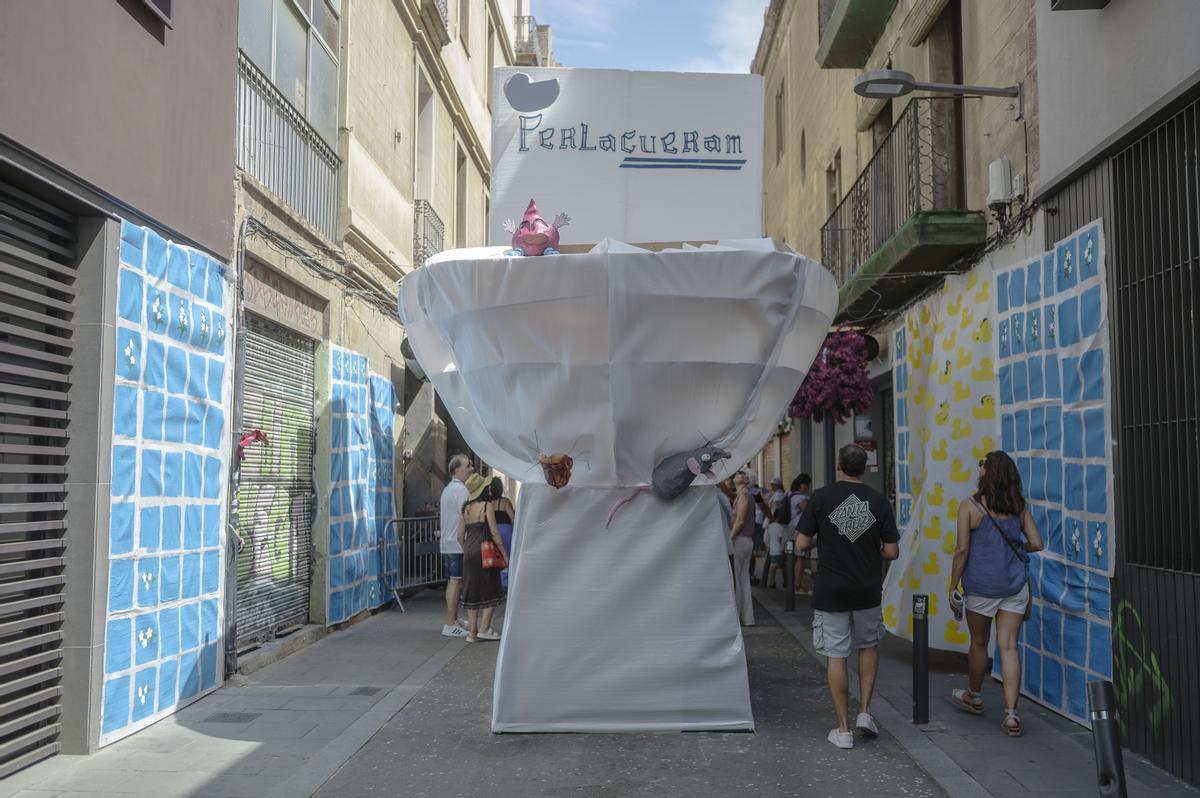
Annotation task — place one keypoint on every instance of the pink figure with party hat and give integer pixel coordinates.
(534, 236)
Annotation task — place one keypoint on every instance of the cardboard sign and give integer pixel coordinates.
(641, 157)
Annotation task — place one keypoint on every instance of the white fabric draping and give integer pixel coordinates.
(629, 629)
(619, 357)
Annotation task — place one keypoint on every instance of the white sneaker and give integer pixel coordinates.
(866, 725)
(453, 631)
(841, 739)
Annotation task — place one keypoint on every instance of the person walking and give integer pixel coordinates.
(505, 513)
(454, 496)
(481, 590)
(725, 498)
(760, 525)
(780, 515)
(996, 533)
(857, 532)
(798, 493)
(742, 534)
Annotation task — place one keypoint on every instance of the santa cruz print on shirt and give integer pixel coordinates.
(852, 517)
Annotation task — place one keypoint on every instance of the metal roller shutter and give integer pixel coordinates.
(275, 492)
(37, 270)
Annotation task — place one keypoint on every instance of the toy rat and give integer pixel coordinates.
(675, 474)
(534, 236)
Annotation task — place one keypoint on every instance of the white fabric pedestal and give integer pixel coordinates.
(628, 629)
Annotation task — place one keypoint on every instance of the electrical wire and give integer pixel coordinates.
(373, 296)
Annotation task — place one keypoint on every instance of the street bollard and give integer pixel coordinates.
(789, 576)
(1106, 736)
(920, 658)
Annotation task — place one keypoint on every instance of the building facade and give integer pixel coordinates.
(1133, 166)
(116, 241)
(347, 182)
(1025, 268)
(206, 419)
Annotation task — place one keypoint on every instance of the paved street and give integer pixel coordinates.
(388, 707)
(440, 745)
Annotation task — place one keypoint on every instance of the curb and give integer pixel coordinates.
(929, 757)
(275, 650)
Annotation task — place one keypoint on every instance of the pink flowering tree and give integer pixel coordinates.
(837, 385)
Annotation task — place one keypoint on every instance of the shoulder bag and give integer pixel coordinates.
(1022, 555)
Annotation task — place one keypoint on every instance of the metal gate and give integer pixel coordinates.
(37, 269)
(275, 490)
(1148, 194)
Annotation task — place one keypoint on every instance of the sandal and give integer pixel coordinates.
(967, 701)
(1011, 723)
(471, 639)
(488, 635)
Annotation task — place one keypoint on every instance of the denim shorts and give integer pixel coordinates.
(452, 564)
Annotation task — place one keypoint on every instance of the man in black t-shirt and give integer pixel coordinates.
(857, 532)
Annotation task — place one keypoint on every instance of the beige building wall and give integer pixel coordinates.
(817, 127)
(823, 118)
(819, 135)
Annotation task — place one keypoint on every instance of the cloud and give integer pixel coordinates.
(731, 37)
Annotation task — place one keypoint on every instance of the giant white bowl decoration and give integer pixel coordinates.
(619, 357)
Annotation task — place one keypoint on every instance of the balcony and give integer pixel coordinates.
(903, 222)
(278, 148)
(428, 232)
(847, 31)
(527, 45)
(435, 14)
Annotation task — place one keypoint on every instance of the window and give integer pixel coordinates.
(460, 200)
(464, 24)
(803, 159)
(833, 183)
(881, 126)
(423, 177)
(489, 64)
(779, 122)
(295, 43)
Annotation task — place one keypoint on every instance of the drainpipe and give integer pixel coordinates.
(233, 539)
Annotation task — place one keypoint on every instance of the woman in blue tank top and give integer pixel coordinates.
(996, 532)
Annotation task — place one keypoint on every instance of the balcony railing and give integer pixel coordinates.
(916, 169)
(283, 152)
(527, 42)
(436, 15)
(428, 232)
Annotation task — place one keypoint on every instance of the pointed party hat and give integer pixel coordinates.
(531, 212)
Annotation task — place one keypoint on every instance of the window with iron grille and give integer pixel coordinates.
(1156, 312)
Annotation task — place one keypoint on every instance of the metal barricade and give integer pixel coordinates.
(410, 555)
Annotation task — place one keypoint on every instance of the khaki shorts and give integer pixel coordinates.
(836, 634)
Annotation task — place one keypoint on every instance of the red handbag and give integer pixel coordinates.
(492, 556)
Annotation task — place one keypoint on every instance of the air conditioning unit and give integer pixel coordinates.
(999, 183)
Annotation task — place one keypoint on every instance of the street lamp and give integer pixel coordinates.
(887, 84)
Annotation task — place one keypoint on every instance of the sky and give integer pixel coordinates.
(671, 35)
